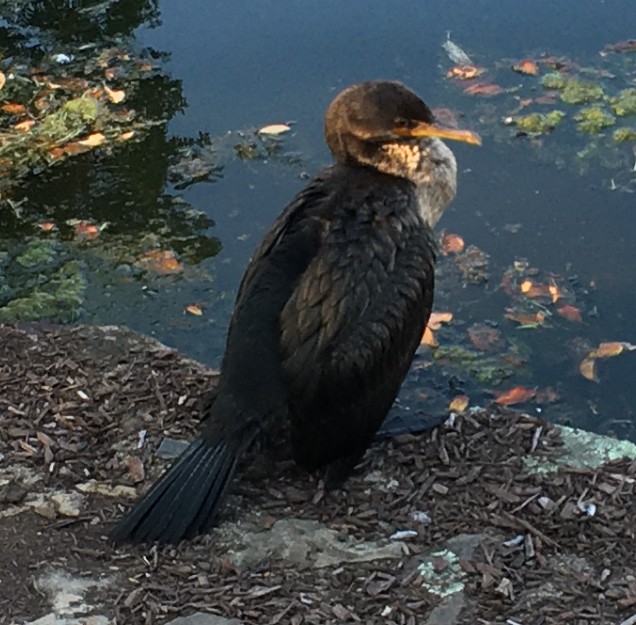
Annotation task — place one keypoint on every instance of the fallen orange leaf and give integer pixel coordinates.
(125, 136)
(428, 338)
(46, 226)
(93, 140)
(485, 89)
(525, 286)
(587, 368)
(459, 404)
(608, 350)
(194, 309)
(525, 318)
(24, 126)
(515, 395)
(13, 108)
(547, 396)
(451, 244)
(464, 72)
(571, 313)
(555, 293)
(526, 66)
(56, 153)
(160, 261)
(436, 319)
(87, 229)
(485, 338)
(115, 95)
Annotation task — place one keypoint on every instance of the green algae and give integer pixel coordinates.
(594, 119)
(538, 123)
(624, 103)
(40, 281)
(488, 370)
(553, 80)
(578, 91)
(624, 134)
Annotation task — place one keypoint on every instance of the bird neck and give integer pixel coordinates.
(429, 164)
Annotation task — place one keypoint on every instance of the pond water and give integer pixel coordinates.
(241, 65)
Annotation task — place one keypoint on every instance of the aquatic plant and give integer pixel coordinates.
(624, 103)
(594, 119)
(577, 91)
(538, 123)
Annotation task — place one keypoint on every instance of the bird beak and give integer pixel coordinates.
(422, 129)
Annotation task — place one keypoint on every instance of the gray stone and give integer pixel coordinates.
(171, 448)
(298, 542)
(447, 611)
(583, 450)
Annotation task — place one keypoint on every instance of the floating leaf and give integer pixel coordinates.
(46, 226)
(609, 350)
(93, 140)
(555, 293)
(534, 290)
(114, 95)
(160, 261)
(459, 404)
(436, 319)
(194, 309)
(547, 396)
(274, 129)
(13, 108)
(87, 230)
(526, 66)
(525, 318)
(629, 45)
(428, 338)
(485, 338)
(452, 244)
(483, 89)
(126, 136)
(25, 125)
(515, 395)
(587, 368)
(571, 313)
(465, 72)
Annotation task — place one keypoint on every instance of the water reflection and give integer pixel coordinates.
(240, 65)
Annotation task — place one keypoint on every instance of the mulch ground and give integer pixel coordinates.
(74, 400)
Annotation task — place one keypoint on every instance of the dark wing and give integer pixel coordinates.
(352, 324)
(251, 373)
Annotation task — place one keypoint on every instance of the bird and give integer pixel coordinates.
(329, 312)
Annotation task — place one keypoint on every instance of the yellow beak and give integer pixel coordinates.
(422, 129)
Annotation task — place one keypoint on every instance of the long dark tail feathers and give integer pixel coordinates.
(187, 497)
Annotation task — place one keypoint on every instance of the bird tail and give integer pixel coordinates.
(186, 498)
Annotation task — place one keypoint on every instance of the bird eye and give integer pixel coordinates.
(400, 122)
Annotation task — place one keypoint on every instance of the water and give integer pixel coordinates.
(244, 64)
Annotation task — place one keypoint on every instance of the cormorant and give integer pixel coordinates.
(330, 310)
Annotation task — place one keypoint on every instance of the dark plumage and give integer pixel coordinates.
(330, 310)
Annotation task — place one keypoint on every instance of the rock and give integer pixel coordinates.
(584, 450)
(67, 597)
(448, 610)
(203, 618)
(299, 541)
(68, 504)
(171, 448)
(93, 486)
(12, 492)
